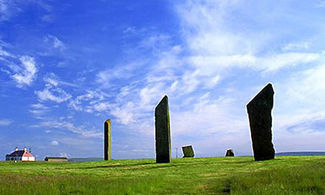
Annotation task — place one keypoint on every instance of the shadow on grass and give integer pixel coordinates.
(132, 166)
(250, 161)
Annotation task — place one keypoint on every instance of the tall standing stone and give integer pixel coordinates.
(260, 120)
(107, 140)
(188, 151)
(162, 131)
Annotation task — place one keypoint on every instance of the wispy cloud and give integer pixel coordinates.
(7, 9)
(124, 113)
(21, 68)
(5, 53)
(55, 42)
(110, 77)
(39, 109)
(54, 143)
(296, 46)
(54, 80)
(63, 125)
(90, 101)
(5, 122)
(53, 91)
(12, 8)
(26, 72)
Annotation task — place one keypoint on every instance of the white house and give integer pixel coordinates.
(20, 155)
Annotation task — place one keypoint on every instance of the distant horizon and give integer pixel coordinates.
(174, 157)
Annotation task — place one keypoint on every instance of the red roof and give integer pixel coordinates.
(27, 154)
(20, 153)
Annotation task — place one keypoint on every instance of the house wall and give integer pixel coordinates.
(13, 158)
(28, 159)
(57, 160)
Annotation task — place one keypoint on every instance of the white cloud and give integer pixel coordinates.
(5, 10)
(5, 122)
(209, 65)
(54, 80)
(50, 93)
(102, 106)
(56, 43)
(5, 53)
(54, 143)
(154, 42)
(22, 69)
(51, 81)
(206, 117)
(11, 8)
(296, 46)
(90, 101)
(129, 30)
(215, 49)
(304, 88)
(106, 78)
(27, 71)
(39, 109)
(39, 106)
(80, 130)
(213, 82)
(285, 60)
(205, 29)
(124, 113)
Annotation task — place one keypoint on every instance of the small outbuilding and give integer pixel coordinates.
(56, 159)
(20, 155)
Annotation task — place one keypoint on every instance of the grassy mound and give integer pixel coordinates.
(237, 175)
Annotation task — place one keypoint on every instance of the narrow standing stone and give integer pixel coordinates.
(107, 140)
(260, 120)
(188, 151)
(162, 131)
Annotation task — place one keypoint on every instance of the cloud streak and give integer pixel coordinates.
(27, 72)
(5, 122)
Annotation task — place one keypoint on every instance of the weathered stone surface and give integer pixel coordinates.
(188, 151)
(230, 152)
(260, 120)
(107, 140)
(162, 131)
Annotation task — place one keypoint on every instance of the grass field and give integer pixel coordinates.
(238, 175)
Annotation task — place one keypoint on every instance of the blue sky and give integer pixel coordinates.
(67, 66)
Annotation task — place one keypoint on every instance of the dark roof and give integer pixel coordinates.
(20, 153)
(56, 158)
(17, 153)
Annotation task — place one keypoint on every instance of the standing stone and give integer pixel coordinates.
(107, 140)
(260, 120)
(188, 151)
(230, 152)
(162, 131)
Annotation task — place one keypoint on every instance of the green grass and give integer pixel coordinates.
(237, 175)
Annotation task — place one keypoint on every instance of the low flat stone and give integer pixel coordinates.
(188, 151)
(260, 121)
